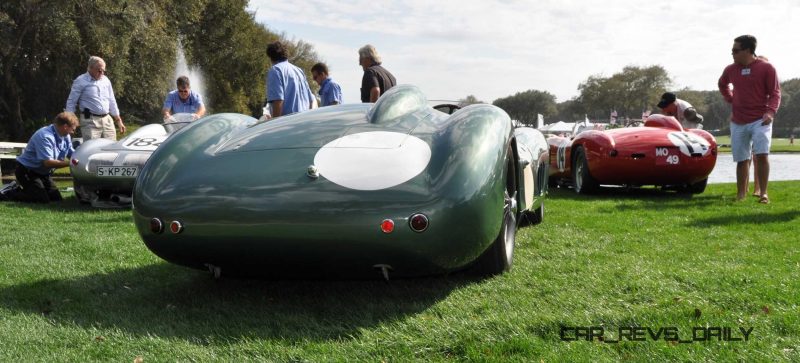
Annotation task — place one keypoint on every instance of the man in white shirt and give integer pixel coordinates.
(671, 105)
(93, 93)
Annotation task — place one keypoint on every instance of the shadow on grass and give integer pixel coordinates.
(68, 204)
(647, 198)
(170, 301)
(750, 218)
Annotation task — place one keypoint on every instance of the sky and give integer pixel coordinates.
(495, 48)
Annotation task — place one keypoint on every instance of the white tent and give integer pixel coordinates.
(558, 127)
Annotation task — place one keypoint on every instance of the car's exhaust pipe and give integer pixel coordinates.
(120, 199)
(384, 269)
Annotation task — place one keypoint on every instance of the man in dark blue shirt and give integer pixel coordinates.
(48, 149)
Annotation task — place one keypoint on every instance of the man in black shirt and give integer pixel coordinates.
(377, 80)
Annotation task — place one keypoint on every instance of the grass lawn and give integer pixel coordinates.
(78, 285)
(778, 145)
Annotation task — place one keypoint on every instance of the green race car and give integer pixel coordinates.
(394, 188)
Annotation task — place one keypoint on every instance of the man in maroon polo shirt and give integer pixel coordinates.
(754, 97)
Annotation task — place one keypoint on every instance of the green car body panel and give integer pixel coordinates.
(306, 194)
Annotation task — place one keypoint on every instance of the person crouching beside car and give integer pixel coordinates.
(183, 100)
(48, 149)
(671, 105)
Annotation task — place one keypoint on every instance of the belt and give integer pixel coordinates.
(96, 115)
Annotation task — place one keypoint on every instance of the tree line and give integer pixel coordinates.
(45, 44)
(635, 90)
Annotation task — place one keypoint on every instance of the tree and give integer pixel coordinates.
(45, 44)
(571, 110)
(231, 49)
(787, 120)
(629, 92)
(717, 112)
(525, 106)
(36, 49)
(469, 100)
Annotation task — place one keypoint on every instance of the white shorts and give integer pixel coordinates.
(752, 138)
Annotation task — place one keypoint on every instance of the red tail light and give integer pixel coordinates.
(387, 226)
(176, 227)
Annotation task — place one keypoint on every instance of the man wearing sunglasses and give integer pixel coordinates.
(754, 97)
(183, 100)
(330, 93)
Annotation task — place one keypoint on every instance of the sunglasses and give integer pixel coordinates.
(736, 50)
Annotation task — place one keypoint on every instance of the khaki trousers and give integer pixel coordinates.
(96, 127)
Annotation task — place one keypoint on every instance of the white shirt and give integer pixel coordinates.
(682, 106)
(96, 95)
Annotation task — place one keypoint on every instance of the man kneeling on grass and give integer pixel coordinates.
(46, 151)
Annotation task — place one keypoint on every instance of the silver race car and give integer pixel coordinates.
(104, 171)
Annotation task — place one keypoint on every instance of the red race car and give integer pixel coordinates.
(660, 153)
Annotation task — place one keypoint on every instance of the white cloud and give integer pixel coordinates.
(495, 48)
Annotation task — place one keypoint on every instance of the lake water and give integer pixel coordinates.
(781, 167)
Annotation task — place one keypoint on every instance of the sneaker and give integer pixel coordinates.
(8, 187)
(8, 190)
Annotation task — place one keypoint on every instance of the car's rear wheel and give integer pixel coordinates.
(581, 177)
(698, 187)
(500, 255)
(81, 193)
(537, 216)
(531, 217)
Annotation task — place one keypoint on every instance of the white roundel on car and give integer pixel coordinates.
(689, 143)
(372, 160)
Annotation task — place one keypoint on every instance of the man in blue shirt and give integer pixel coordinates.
(183, 100)
(48, 149)
(92, 91)
(287, 87)
(330, 93)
